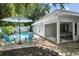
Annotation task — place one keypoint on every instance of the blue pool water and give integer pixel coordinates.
(22, 35)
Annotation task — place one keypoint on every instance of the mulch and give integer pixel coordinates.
(30, 51)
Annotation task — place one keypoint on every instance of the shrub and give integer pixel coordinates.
(8, 29)
(1, 35)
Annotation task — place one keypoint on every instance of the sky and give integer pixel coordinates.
(71, 6)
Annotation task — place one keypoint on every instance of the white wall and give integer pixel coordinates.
(39, 29)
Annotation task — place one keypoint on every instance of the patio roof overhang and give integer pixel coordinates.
(57, 13)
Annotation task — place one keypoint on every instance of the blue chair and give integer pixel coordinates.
(30, 36)
(7, 39)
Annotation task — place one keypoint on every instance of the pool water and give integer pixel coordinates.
(21, 36)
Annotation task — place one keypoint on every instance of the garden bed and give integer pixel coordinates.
(30, 51)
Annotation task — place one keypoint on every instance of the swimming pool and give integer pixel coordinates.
(20, 36)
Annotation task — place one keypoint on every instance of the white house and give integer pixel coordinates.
(58, 26)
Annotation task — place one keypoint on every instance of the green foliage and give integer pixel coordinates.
(5, 10)
(1, 35)
(29, 10)
(35, 11)
(0, 43)
(8, 29)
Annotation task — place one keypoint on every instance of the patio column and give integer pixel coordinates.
(44, 30)
(58, 32)
(73, 26)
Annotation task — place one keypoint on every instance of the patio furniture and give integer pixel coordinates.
(29, 36)
(7, 39)
(63, 35)
(69, 35)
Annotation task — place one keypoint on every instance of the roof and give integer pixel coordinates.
(57, 12)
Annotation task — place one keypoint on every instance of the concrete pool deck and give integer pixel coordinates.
(18, 46)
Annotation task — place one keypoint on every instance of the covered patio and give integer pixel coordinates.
(66, 32)
(63, 29)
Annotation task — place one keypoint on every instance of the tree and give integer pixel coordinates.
(29, 10)
(3, 9)
(37, 11)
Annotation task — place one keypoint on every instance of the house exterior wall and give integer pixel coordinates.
(39, 29)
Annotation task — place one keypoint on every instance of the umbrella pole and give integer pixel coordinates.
(19, 34)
